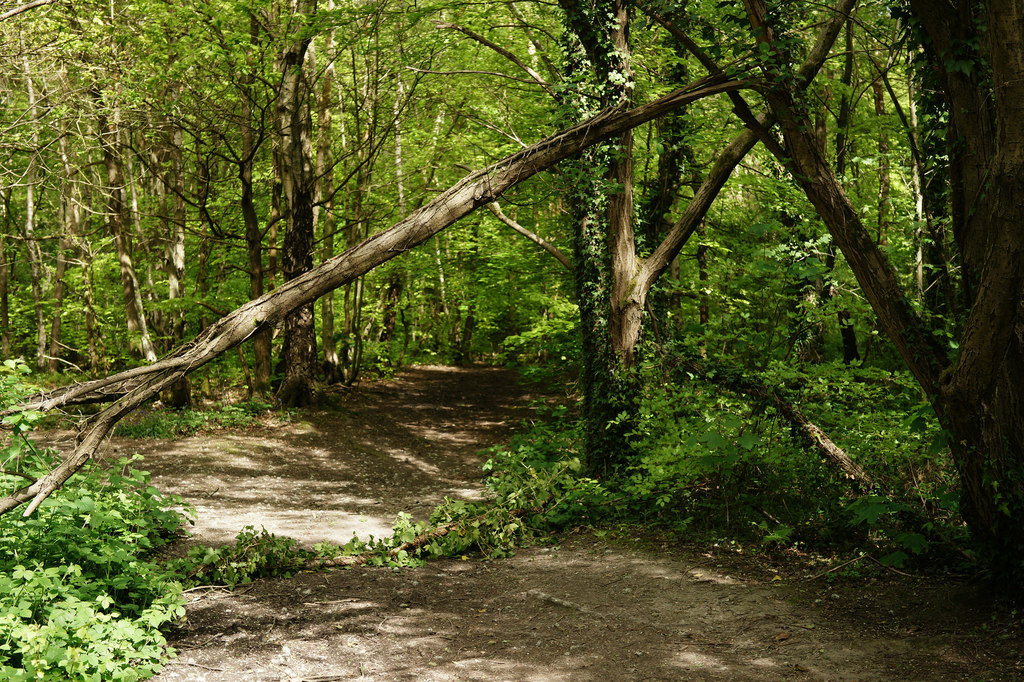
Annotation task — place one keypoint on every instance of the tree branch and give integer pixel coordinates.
(494, 208)
(24, 8)
(504, 53)
(811, 434)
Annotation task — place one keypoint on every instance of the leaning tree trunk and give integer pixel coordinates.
(298, 187)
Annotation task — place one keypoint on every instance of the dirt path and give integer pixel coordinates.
(588, 609)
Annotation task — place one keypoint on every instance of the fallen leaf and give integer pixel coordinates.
(782, 636)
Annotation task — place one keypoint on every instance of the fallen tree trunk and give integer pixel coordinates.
(131, 388)
(812, 435)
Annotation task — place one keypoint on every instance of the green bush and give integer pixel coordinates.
(79, 596)
(254, 555)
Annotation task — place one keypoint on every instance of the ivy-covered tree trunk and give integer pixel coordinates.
(604, 247)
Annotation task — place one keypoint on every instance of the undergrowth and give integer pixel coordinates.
(160, 422)
(82, 597)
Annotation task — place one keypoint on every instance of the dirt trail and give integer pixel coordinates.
(589, 609)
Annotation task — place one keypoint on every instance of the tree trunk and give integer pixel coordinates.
(298, 184)
(109, 136)
(980, 397)
(261, 345)
(35, 256)
(180, 395)
(5, 314)
(604, 245)
(325, 217)
(884, 176)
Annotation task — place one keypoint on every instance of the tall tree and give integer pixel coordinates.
(295, 128)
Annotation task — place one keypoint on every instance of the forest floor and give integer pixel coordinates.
(595, 606)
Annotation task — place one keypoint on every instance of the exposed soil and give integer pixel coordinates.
(588, 608)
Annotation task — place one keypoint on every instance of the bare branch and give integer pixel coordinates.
(494, 208)
(503, 52)
(24, 8)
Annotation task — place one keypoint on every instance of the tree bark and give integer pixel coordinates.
(325, 213)
(180, 394)
(5, 314)
(298, 185)
(35, 255)
(109, 137)
(980, 397)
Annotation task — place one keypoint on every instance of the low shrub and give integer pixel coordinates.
(80, 596)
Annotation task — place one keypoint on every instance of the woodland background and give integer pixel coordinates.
(762, 329)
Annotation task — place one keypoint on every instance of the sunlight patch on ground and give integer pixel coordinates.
(709, 576)
(695, 659)
(307, 527)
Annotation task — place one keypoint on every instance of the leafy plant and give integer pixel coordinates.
(159, 422)
(79, 596)
(254, 555)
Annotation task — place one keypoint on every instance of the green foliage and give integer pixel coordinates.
(79, 597)
(254, 555)
(708, 459)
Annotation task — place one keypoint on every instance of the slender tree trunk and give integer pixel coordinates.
(884, 175)
(846, 330)
(109, 135)
(180, 394)
(58, 304)
(261, 344)
(326, 219)
(395, 279)
(34, 253)
(5, 314)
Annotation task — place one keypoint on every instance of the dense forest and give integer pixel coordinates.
(771, 249)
